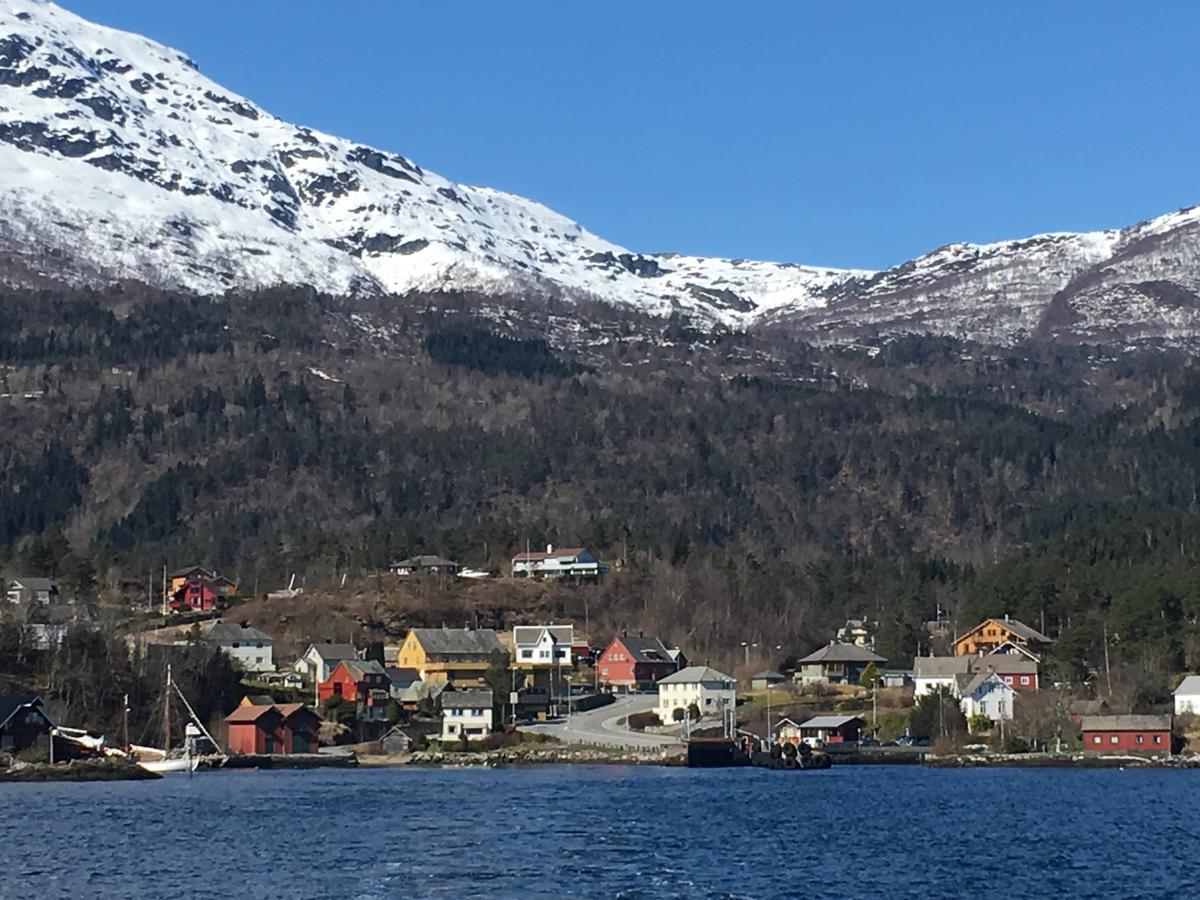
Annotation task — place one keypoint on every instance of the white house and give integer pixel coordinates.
(933, 672)
(319, 660)
(466, 713)
(542, 645)
(27, 590)
(565, 562)
(713, 692)
(1187, 696)
(249, 648)
(1018, 670)
(986, 694)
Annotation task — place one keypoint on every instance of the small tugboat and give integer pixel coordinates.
(736, 747)
(790, 756)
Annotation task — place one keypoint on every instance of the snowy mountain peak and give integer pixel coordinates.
(184, 183)
(120, 161)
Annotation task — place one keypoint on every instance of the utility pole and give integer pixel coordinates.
(1107, 667)
(769, 741)
(874, 708)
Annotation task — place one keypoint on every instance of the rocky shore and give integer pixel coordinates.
(1060, 760)
(518, 756)
(77, 770)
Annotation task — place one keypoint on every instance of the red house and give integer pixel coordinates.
(283, 728)
(196, 594)
(635, 663)
(1126, 734)
(363, 682)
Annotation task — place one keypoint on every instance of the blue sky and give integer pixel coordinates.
(846, 134)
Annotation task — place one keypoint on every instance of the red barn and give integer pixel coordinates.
(635, 663)
(282, 728)
(363, 682)
(1126, 734)
(303, 727)
(257, 729)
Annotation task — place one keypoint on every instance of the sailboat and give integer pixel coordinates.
(161, 761)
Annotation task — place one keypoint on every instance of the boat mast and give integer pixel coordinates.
(167, 713)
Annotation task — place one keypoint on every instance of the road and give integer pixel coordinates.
(599, 726)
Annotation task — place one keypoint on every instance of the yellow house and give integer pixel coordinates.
(448, 654)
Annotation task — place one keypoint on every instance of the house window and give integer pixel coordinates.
(1008, 679)
(1095, 738)
(1139, 739)
(1112, 739)
(1025, 680)
(1158, 739)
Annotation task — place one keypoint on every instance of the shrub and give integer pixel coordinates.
(643, 720)
(677, 714)
(979, 722)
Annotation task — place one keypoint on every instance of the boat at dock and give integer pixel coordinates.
(166, 761)
(719, 752)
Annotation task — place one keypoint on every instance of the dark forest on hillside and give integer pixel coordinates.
(760, 488)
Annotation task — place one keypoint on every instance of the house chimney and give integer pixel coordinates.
(549, 549)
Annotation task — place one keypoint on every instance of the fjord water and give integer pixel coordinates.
(606, 832)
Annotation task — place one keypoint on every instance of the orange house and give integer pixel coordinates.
(991, 633)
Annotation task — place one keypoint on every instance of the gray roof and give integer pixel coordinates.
(188, 570)
(34, 584)
(940, 666)
(1020, 629)
(530, 634)
(225, 633)
(479, 641)
(1004, 663)
(968, 684)
(333, 652)
(769, 675)
(834, 652)
(829, 721)
(952, 666)
(697, 675)
(421, 690)
(424, 561)
(467, 700)
(1189, 686)
(1125, 723)
(402, 676)
(646, 649)
(361, 667)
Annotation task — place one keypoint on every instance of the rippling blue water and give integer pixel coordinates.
(607, 832)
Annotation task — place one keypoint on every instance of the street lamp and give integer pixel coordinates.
(746, 645)
(770, 733)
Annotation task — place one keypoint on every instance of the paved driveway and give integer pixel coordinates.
(599, 726)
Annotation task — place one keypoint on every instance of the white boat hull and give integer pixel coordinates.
(167, 766)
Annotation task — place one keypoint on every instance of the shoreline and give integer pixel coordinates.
(518, 756)
(79, 770)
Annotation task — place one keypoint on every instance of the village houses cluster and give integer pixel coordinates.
(460, 686)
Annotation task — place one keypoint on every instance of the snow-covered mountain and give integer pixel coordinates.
(119, 161)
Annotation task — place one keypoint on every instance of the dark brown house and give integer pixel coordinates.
(23, 722)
